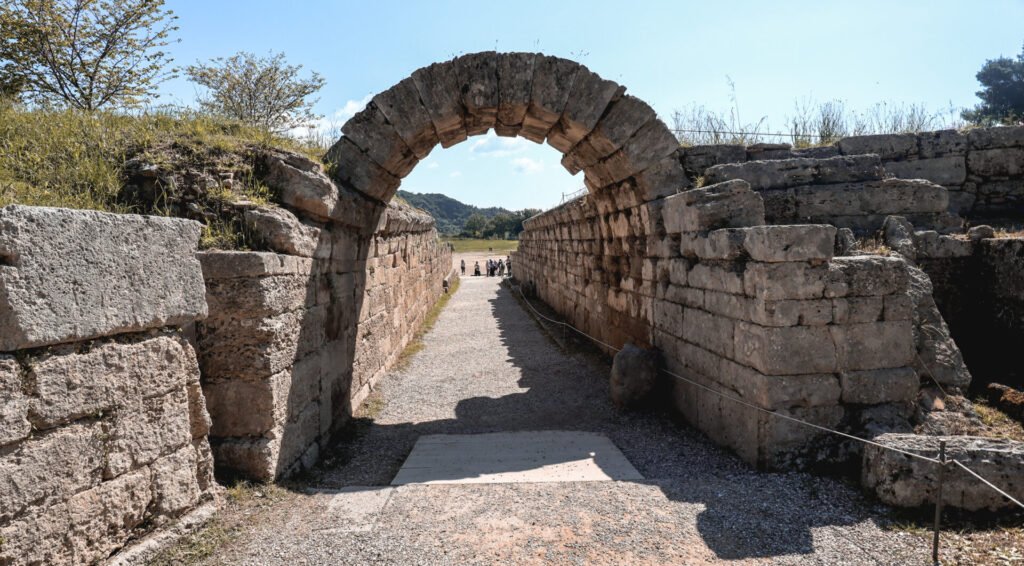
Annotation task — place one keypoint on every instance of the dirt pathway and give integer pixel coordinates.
(487, 367)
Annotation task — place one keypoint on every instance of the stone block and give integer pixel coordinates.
(50, 467)
(372, 132)
(874, 345)
(589, 98)
(14, 425)
(726, 205)
(198, 416)
(941, 142)
(886, 146)
(246, 408)
(354, 170)
(439, 85)
(1000, 136)
(783, 442)
(889, 196)
(102, 518)
(774, 392)
(787, 280)
(867, 275)
(791, 350)
(664, 178)
(175, 486)
(949, 170)
(806, 242)
(1005, 162)
(623, 118)
(784, 173)
(668, 317)
(930, 244)
(724, 243)
(70, 383)
(36, 537)
(910, 482)
(515, 84)
(303, 185)
(814, 312)
(872, 387)
(552, 82)
(253, 348)
(401, 106)
(650, 144)
(713, 332)
(634, 374)
(146, 430)
(69, 275)
(285, 234)
(854, 310)
(479, 84)
(249, 297)
(697, 158)
(716, 278)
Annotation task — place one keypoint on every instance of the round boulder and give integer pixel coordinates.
(634, 372)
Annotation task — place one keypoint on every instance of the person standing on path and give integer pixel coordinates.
(463, 267)
(476, 269)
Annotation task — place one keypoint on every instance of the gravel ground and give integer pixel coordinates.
(487, 367)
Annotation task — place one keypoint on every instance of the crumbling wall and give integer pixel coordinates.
(297, 338)
(977, 285)
(762, 313)
(103, 426)
(982, 168)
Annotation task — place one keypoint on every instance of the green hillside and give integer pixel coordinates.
(449, 213)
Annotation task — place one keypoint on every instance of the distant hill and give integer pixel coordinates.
(449, 213)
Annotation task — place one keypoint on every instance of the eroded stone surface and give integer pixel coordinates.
(70, 275)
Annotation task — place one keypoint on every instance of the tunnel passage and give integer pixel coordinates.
(625, 152)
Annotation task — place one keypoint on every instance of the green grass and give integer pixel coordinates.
(76, 159)
(495, 246)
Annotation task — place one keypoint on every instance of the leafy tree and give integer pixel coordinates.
(262, 91)
(475, 224)
(1002, 94)
(84, 53)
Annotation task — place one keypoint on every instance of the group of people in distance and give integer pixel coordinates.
(494, 267)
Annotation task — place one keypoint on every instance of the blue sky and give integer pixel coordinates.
(671, 54)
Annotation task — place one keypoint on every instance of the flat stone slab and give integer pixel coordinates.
(515, 457)
(70, 275)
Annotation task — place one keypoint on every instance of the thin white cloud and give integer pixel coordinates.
(495, 146)
(331, 125)
(432, 165)
(455, 174)
(527, 166)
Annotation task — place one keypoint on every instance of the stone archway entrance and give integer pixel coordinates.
(623, 149)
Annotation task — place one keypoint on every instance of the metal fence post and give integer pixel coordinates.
(938, 501)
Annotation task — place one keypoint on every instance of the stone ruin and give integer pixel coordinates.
(132, 365)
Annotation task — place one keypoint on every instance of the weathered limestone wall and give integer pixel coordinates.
(845, 191)
(103, 426)
(763, 313)
(982, 168)
(979, 288)
(297, 339)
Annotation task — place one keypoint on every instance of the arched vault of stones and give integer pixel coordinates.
(626, 153)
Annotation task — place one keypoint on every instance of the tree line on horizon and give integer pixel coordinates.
(455, 218)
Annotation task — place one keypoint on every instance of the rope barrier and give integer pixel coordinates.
(780, 415)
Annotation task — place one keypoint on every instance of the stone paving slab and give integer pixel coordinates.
(515, 457)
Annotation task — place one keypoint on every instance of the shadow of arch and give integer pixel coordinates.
(627, 155)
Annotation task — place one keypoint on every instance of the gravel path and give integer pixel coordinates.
(486, 367)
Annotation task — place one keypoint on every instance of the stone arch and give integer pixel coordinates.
(628, 156)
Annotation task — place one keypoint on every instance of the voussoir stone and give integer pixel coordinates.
(69, 275)
(284, 233)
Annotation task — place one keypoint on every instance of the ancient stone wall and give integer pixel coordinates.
(982, 168)
(103, 426)
(297, 338)
(763, 313)
(977, 286)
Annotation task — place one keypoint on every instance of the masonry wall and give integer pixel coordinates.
(296, 339)
(103, 426)
(990, 325)
(763, 313)
(982, 168)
